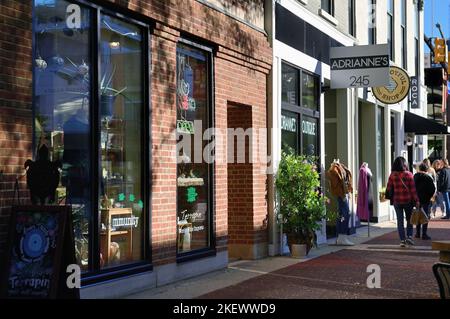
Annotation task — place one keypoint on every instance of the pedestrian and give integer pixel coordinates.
(444, 188)
(425, 190)
(401, 181)
(438, 198)
(431, 170)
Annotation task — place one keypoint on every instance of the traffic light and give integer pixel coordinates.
(440, 51)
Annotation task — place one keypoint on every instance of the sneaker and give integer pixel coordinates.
(402, 243)
(409, 241)
(426, 237)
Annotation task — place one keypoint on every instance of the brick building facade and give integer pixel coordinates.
(241, 61)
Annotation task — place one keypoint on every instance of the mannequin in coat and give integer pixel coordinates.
(365, 197)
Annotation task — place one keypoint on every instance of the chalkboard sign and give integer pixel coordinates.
(39, 249)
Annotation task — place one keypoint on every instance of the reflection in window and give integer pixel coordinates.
(61, 107)
(193, 109)
(310, 91)
(289, 82)
(121, 106)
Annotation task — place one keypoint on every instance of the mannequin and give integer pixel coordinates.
(365, 197)
(340, 179)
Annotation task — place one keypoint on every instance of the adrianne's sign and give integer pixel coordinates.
(397, 90)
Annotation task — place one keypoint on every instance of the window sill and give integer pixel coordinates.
(196, 255)
(328, 17)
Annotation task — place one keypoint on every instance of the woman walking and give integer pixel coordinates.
(444, 188)
(438, 165)
(425, 191)
(401, 181)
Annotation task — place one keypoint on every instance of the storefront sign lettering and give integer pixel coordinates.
(398, 88)
(309, 128)
(415, 93)
(288, 124)
(125, 222)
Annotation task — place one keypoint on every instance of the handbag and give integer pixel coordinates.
(419, 217)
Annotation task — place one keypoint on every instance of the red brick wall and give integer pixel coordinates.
(241, 66)
(15, 102)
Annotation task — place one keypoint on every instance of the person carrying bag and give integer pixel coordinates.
(401, 183)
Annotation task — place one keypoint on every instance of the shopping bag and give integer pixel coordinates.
(419, 217)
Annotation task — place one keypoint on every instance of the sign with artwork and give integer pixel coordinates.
(40, 249)
(398, 88)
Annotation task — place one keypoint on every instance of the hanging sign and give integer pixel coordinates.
(40, 248)
(415, 93)
(397, 90)
(359, 66)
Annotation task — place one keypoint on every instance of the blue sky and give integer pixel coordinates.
(437, 11)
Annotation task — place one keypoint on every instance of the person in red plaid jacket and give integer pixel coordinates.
(404, 199)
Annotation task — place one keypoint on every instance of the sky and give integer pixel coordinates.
(437, 11)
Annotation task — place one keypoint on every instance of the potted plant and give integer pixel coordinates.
(108, 94)
(302, 206)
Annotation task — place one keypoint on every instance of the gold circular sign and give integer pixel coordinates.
(398, 88)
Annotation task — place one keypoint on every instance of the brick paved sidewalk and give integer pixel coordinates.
(405, 273)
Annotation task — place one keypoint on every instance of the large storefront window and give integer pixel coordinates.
(193, 170)
(299, 115)
(89, 137)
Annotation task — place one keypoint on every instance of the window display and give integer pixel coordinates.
(66, 119)
(121, 202)
(299, 115)
(62, 109)
(193, 107)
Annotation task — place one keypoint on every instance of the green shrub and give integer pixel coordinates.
(302, 206)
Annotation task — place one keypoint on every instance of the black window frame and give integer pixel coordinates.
(211, 250)
(327, 6)
(391, 28)
(404, 16)
(95, 273)
(352, 17)
(372, 30)
(300, 111)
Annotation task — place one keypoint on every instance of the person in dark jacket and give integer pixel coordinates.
(405, 198)
(444, 187)
(425, 191)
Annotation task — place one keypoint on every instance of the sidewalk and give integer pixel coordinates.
(242, 272)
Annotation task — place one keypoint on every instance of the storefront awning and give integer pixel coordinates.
(422, 126)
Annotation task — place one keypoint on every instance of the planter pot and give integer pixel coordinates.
(298, 251)
(107, 104)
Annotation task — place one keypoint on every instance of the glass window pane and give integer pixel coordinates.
(193, 106)
(61, 105)
(310, 85)
(289, 83)
(121, 107)
(310, 134)
(289, 132)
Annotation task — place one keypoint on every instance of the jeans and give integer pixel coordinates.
(447, 203)
(424, 227)
(402, 211)
(439, 202)
(344, 216)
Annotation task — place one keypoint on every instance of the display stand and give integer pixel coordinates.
(110, 234)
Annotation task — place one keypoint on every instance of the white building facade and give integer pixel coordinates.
(349, 124)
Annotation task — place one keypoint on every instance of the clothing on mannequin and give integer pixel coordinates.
(340, 179)
(365, 197)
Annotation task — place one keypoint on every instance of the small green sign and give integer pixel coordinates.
(191, 194)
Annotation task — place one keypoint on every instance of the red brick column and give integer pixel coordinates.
(15, 102)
